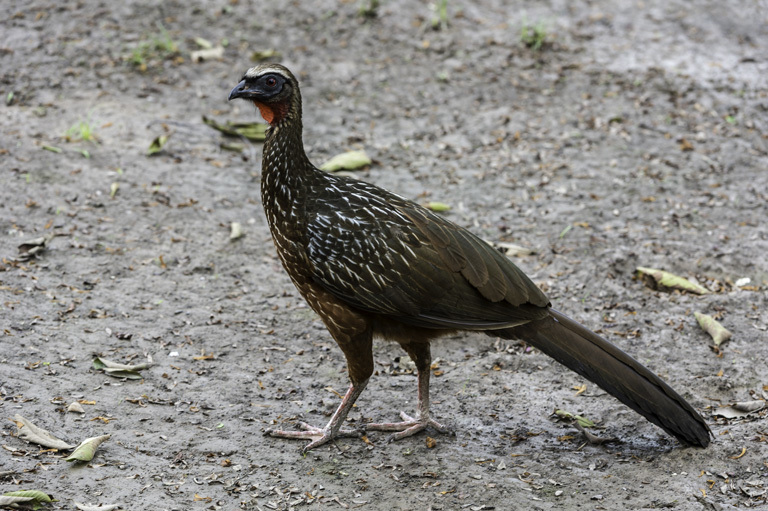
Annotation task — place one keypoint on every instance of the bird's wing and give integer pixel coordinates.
(389, 256)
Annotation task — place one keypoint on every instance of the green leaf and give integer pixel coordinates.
(264, 54)
(87, 448)
(157, 145)
(52, 149)
(254, 131)
(113, 189)
(203, 43)
(718, 332)
(438, 206)
(34, 497)
(351, 160)
(583, 421)
(663, 280)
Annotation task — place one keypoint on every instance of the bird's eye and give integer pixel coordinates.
(271, 81)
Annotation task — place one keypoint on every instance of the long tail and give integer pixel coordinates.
(585, 352)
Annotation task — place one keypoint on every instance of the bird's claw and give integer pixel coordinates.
(408, 427)
(319, 436)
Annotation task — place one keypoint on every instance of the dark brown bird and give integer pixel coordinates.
(373, 264)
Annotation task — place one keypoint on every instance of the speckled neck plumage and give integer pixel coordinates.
(285, 171)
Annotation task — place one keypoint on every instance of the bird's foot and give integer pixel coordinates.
(408, 427)
(319, 436)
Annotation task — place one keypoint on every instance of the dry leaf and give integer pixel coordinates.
(740, 409)
(236, 231)
(718, 332)
(593, 439)
(117, 370)
(75, 408)
(207, 54)
(96, 507)
(30, 248)
(31, 433)
(511, 249)
(663, 280)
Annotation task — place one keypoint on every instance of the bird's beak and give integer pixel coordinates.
(240, 90)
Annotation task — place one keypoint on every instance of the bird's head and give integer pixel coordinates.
(273, 89)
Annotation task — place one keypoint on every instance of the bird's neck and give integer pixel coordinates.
(284, 174)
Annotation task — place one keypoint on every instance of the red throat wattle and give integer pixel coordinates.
(272, 113)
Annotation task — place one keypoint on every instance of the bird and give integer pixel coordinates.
(373, 264)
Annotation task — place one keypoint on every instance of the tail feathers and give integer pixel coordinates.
(585, 352)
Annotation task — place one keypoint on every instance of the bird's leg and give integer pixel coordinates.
(420, 353)
(355, 341)
(319, 436)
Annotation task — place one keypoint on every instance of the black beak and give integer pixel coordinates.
(239, 91)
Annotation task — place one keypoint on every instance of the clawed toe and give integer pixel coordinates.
(318, 436)
(408, 427)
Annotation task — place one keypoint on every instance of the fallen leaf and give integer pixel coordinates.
(236, 231)
(207, 54)
(718, 332)
(87, 448)
(254, 131)
(117, 370)
(30, 248)
(12, 498)
(742, 453)
(351, 160)
(511, 249)
(438, 206)
(113, 189)
(593, 439)
(264, 54)
(75, 408)
(31, 433)
(582, 421)
(663, 280)
(203, 43)
(157, 145)
(740, 409)
(96, 507)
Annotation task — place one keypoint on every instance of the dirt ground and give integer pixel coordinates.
(637, 135)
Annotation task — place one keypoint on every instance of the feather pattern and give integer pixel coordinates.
(384, 254)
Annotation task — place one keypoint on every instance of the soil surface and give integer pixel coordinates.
(636, 135)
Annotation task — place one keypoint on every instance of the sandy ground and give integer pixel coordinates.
(636, 136)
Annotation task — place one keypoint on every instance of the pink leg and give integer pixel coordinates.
(332, 430)
(411, 426)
